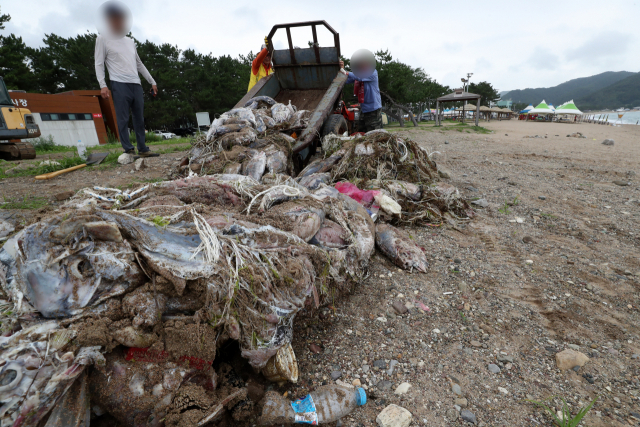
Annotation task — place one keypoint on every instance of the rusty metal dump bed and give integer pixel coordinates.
(310, 78)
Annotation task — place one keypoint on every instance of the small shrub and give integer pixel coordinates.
(111, 137)
(566, 420)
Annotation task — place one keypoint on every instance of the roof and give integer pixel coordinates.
(459, 96)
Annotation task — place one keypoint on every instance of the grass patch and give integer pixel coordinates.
(115, 150)
(567, 420)
(36, 169)
(24, 203)
(505, 209)
(44, 145)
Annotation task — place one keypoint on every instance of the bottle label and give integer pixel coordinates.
(305, 411)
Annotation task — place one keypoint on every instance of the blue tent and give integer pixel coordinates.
(526, 110)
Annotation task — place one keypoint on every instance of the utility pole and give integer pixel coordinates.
(465, 86)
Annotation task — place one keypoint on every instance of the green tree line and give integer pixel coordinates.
(189, 81)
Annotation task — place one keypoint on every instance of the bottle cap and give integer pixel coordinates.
(361, 396)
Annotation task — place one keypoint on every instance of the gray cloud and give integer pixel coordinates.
(603, 45)
(542, 59)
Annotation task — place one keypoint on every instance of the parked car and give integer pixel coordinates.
(190, 131)
(164, 134)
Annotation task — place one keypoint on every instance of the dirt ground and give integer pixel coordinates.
(552, 262)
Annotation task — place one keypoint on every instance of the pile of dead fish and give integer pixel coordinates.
(249, 140)
(256, 141)
(132, 305)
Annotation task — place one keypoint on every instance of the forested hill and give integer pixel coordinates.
(573, 89)
(624, 93)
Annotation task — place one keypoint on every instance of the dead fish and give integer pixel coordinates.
(233, 168)
(258, 99)
(242, 113)
(300, 118)
(320, 166)
(396, 245)
(313, 181)
(281, 113)
(61, 278)
(67, 228)
(243, 137)
(255, 167)
(265, 117)
(276, 161)
(166, 250)
(307, 221)
(102, 230)
(210, 189)
(237, 121)
(229, 128)
(403, 188)
(330, 235)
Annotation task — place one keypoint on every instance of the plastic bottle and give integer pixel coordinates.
(324, 405)
(82, 150)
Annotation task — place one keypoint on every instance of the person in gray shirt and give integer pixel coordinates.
(119, 54)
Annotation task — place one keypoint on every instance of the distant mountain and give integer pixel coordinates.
(573, 89)
(624, 93)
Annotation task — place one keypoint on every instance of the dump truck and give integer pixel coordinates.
(310, 78)
(16, 124)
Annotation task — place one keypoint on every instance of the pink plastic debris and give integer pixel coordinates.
(364, 197)
(422, 306)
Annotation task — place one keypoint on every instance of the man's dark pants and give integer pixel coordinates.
(372, 120)
(129, 96)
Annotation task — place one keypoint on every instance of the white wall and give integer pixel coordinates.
(68, 132)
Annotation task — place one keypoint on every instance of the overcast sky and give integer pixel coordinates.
(513, 45)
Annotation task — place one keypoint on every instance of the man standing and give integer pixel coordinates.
(261, 66)
(371, 107)
(123, 63)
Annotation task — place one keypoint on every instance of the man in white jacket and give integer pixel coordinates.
(119, 54)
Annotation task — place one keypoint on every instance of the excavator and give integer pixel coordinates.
(16, 124)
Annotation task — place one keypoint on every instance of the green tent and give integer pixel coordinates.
(568, 108)
(541, 108)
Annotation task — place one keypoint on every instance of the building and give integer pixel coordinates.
(71, 116)
(505, 104)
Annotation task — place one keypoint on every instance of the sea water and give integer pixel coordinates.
(629, 117)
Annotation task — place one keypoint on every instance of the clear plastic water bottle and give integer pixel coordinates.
(82, 150)
(324, 405)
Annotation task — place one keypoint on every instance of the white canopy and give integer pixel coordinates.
(541, 108)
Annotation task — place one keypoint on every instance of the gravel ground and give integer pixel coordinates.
(557, 267)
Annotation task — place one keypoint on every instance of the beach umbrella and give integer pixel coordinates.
(541, 108)
(568, 108)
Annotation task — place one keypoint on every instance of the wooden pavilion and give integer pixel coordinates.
(458, 95)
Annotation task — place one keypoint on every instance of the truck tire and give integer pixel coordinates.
(335, 124)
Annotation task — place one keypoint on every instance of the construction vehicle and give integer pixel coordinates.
(311, 79)
(16, 124)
